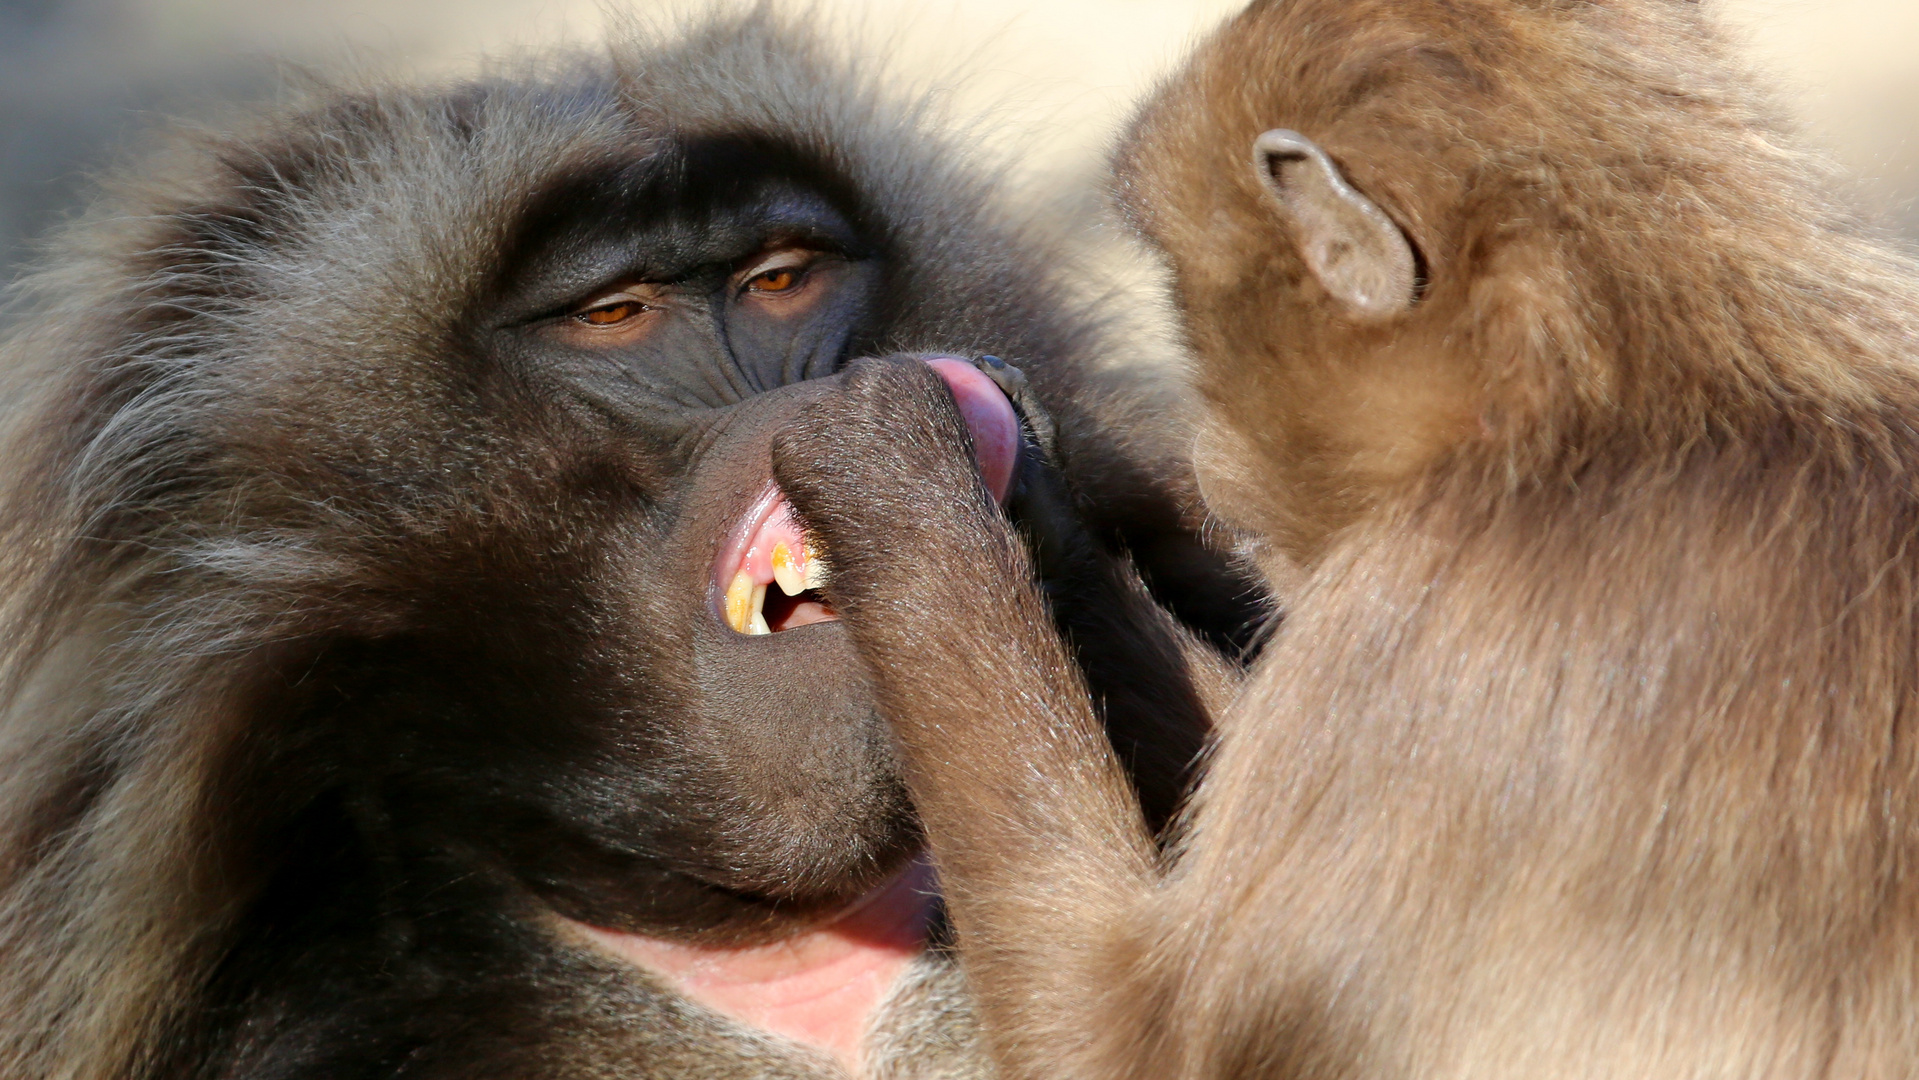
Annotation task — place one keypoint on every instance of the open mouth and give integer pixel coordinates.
(768, 575)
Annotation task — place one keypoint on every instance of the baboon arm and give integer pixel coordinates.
(1159, 684)
(1041, 847)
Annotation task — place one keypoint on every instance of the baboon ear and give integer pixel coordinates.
(1348, 243)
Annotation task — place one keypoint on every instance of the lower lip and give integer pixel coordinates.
(819, 987)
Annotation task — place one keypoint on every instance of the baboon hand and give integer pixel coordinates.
(1036, 422)
(899, 474)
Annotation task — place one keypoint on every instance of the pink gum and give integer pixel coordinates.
(778, 527)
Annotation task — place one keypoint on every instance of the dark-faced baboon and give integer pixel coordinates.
(381, 483)
(1589, 428)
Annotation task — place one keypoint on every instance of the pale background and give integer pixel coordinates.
(79, 78)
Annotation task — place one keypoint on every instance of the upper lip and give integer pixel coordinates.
(766, 547)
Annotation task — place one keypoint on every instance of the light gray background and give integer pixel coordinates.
(81, 79)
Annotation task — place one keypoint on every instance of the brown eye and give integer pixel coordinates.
(616, 317)
(611, 314)
(774, 281)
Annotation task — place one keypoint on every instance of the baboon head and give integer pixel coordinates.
(390, 538)
(1374, 236)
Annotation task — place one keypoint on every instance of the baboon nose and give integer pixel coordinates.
(990, 418)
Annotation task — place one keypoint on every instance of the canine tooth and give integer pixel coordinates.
(816, 570)
(792, 580)
(739, 602)
(756, 624)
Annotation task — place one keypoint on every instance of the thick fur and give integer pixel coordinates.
(1586, 749)
(338, 648)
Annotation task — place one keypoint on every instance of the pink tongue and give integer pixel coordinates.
(989, 416)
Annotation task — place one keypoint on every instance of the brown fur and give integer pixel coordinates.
(1587, 746)
(354, 624)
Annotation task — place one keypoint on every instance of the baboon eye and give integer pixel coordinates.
(774, 281)
(610, 314)
(781, 273)
(613, 317)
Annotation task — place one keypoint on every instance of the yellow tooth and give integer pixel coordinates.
(792, 581)
(815, 576)
(756, 624)
(739, 595)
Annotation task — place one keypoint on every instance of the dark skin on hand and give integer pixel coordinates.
(394, 675)
(1577, 423)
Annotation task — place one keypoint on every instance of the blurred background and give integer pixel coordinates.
(81, 79)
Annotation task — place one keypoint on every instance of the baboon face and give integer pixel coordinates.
(529, 436)
(652, 322)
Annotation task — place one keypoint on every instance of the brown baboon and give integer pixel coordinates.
(388, 653)
(1587, 428)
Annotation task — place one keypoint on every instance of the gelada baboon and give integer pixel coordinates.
(407, 667)
(1586, 427)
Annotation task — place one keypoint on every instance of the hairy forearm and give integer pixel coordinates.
(1041, 846)
(1039, 840)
